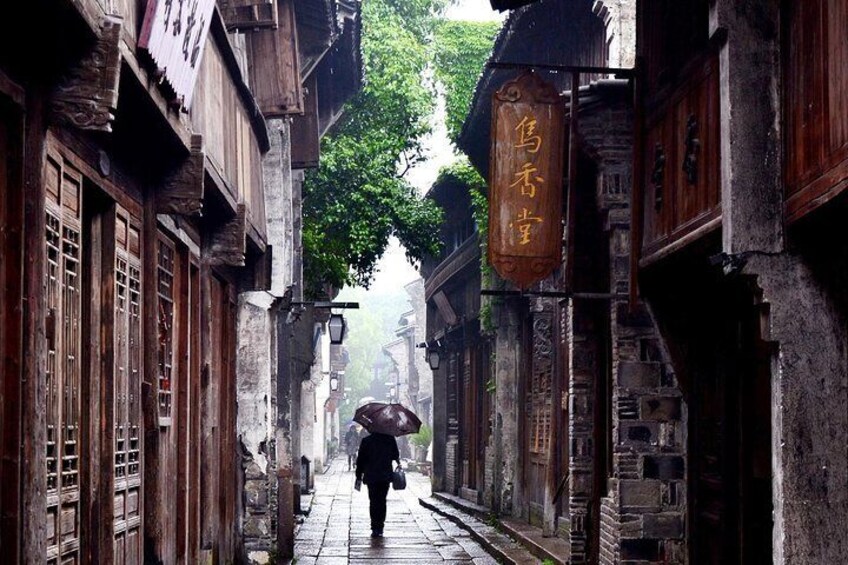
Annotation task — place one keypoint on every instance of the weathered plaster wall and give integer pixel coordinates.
(255, 390)
(807, 299)
(266, 447)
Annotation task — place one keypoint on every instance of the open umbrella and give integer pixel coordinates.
(391, 419)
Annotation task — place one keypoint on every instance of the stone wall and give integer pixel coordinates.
(452, 463)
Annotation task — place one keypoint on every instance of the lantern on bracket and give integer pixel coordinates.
(337, 327)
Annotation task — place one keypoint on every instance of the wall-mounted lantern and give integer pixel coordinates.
(434, 359)
(337, 327)
(432, 354)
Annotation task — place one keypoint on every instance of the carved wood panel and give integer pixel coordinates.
(539, 404)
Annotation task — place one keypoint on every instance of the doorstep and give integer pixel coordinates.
(555, 549)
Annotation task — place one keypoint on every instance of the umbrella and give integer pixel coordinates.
(391, 419)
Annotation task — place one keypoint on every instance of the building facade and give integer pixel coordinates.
(657, 406)
(145, 181)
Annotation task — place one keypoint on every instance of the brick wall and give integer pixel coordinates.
(643, 514)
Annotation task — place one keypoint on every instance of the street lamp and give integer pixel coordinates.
(337, 327)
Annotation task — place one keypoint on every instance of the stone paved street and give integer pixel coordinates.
(337, 530)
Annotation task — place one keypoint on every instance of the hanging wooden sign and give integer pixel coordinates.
(174, 33)
(525, 203)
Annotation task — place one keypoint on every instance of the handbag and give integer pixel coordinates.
(398, 479)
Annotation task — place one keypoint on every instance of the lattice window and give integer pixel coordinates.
(63, 279)
(165, 290)
(134, 449)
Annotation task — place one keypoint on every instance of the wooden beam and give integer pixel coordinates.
(182, 192)
(228, 243)
(88, 95)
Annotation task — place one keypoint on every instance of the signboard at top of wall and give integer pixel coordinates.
(174, 33)
(525, 204)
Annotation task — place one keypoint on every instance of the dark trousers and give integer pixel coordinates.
(377, 493)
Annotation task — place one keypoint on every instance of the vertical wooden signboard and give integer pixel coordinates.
(525, 204)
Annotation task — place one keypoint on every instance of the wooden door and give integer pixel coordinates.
(11, 267)
(126, 395)
(539, 412)
(469, 419)
(222, 478)
(731, 445)
(63, 280)
(188, 414)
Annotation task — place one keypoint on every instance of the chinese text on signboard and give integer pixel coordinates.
(174, 33)
(525, 210)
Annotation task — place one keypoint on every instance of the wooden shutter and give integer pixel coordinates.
(63, 279)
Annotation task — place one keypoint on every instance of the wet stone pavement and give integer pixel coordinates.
(337, 530)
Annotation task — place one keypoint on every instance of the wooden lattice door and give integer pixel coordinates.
(127, 391)
(63, 279)
(538, 408)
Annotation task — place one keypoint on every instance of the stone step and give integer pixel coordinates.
(495, 542)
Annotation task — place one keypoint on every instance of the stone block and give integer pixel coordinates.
(639, 375)
(256, 527)
(640, 550)
(638, 434)
(664, 467)
(631, 526)
(667, 525)
(256, 495)
(639, 494)
(660, 408)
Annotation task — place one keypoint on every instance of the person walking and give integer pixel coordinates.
(374, 466)
(351, 440)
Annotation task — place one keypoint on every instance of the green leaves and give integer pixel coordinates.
(461, 50)
(357, 199)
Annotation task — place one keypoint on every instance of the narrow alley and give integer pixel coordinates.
(337, 529)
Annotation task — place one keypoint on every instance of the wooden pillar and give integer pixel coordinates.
(34, 479)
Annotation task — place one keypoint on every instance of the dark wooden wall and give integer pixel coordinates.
(815, 102)
(680, 146)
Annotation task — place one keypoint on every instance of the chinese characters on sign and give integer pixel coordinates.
(525, 207)
(174, 33)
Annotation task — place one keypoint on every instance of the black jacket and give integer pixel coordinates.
(376, 453)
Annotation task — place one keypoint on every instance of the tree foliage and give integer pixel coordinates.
(461, 50)
(357, 198)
